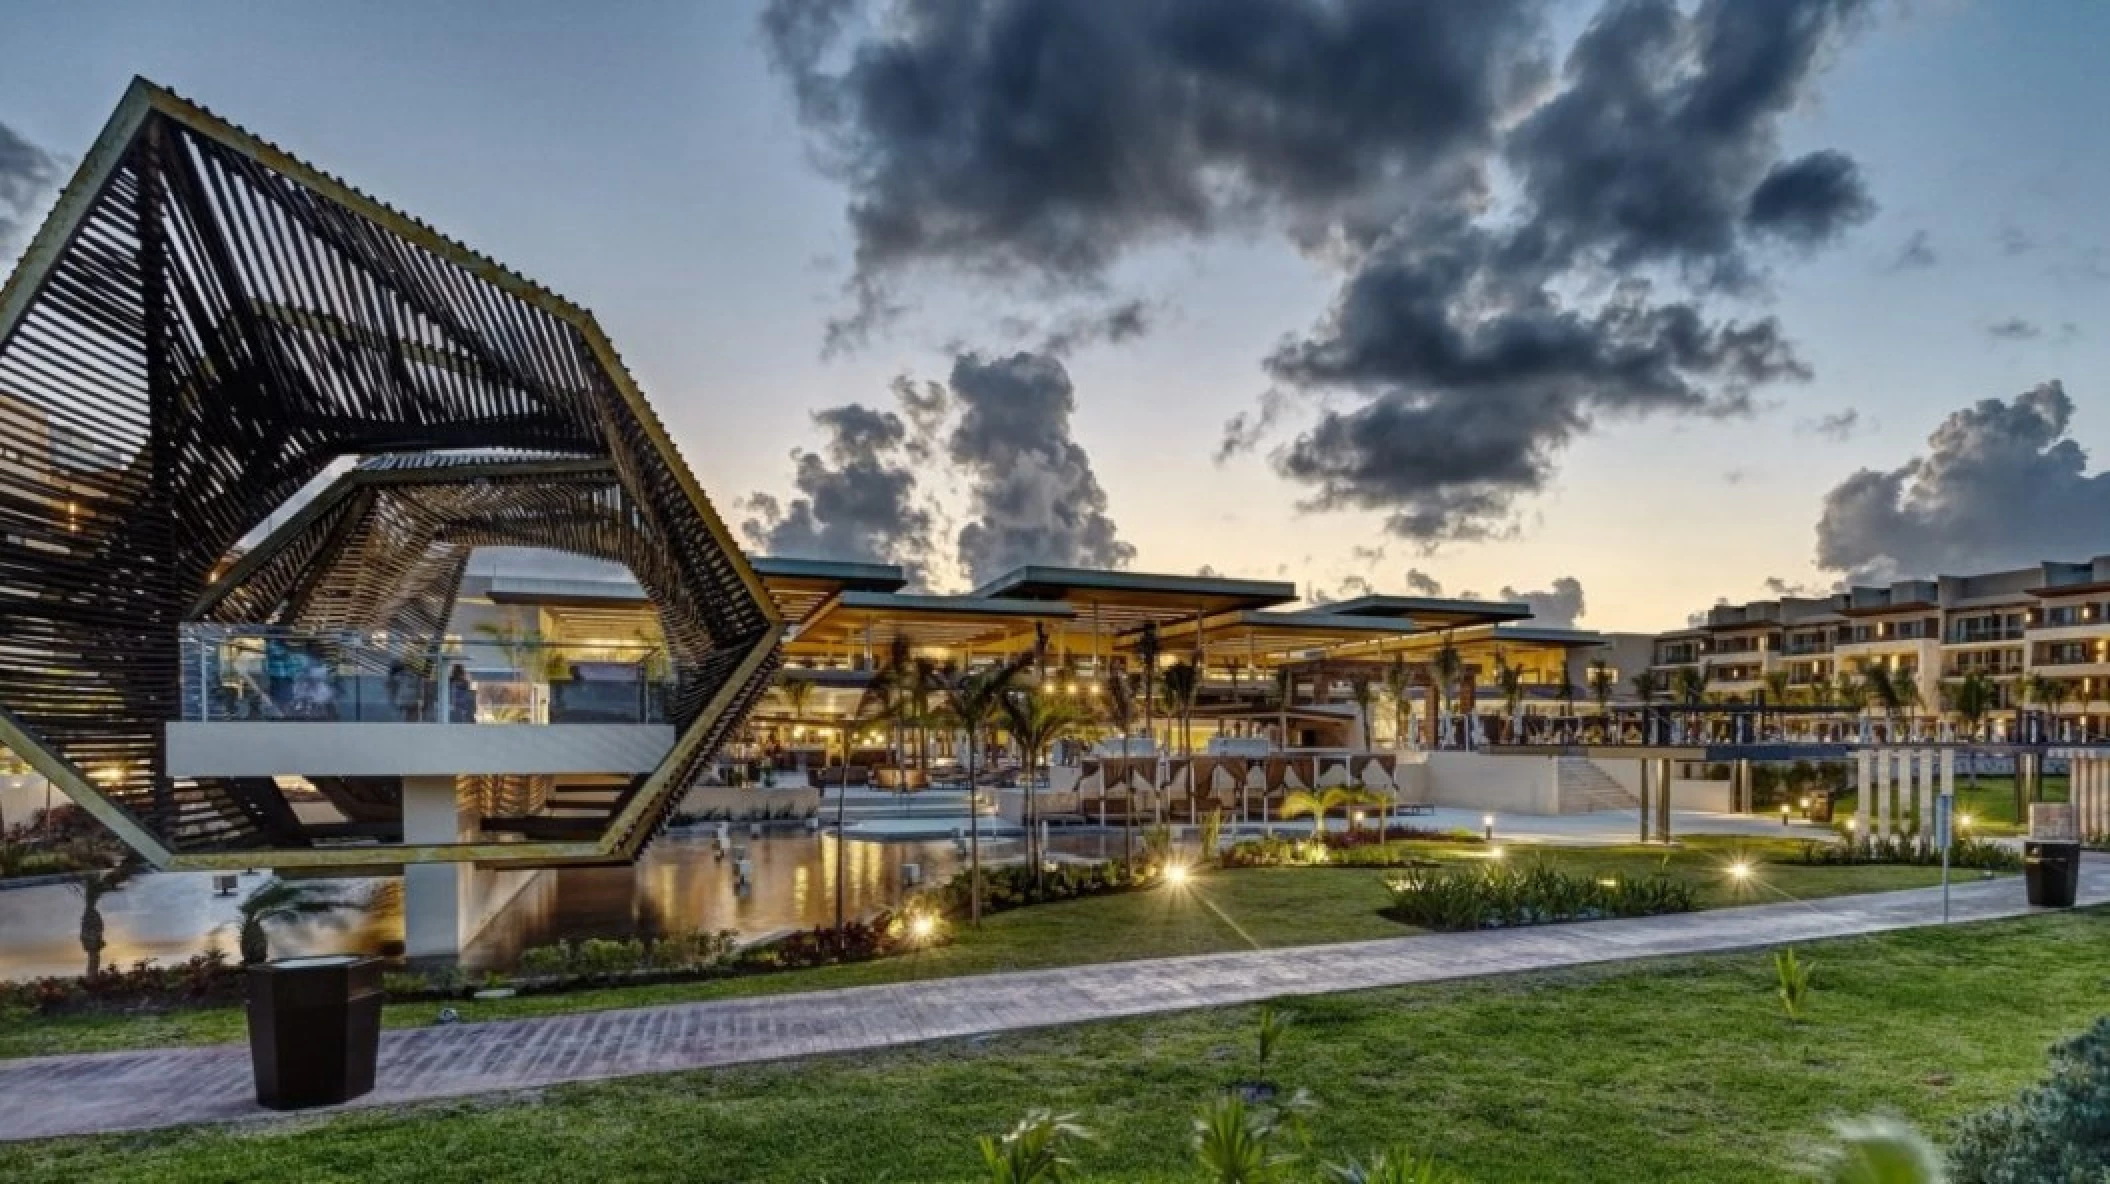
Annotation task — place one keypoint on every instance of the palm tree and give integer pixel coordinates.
(1036, 720)
(1603, 681)
(796, 693)
(1691, 685)
(91, 887)
(1448, 668)
(1776, 682)
(277, 901)
(973, 700)
(1285, 690)
(1509, 679)
(1399, 680)
(1647, 685)
(1121, 712)
(1183, 684)
(1566, 692)
(1321, 802)
(1876, 686)
(2052, 694)
(1147, 652)
(922, 685)
(1363, 690)
(1973, 698)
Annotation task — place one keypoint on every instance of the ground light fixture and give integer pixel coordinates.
(1487, 823)
(1963, 821)
(1783, 813)
(1740, 870)
(1176, 874)
(1494, 853)
(922, 928)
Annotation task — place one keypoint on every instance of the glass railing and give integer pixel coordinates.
(266, 673)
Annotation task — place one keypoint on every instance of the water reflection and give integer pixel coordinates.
(683, 883)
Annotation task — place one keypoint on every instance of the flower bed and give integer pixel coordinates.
(1492, 897)
(1349, 848)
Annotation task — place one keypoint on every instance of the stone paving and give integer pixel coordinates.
(48, 1096)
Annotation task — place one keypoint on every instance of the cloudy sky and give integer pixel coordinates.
(1624, 305)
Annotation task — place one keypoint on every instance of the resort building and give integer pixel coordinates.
(2040, 634)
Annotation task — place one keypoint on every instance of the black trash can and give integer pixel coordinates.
(2053, 873)
(314, 1030)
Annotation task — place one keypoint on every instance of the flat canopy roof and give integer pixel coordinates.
(1276, 635)
(1118, 601)
(856, 619)
(801, 586)
(1433, 612)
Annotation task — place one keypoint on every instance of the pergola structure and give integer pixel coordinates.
(202, 328)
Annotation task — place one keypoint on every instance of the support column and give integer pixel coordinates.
(1648, 770)
(433, 893)
(1864, 791)
(1741, 801)
(1948, 786)
(1663, 802)
(1929, 761)
(2084, 787)
(1884, 760)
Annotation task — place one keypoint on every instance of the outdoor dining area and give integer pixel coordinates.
(1243, 790)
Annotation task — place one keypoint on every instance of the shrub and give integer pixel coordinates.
(1035, 1151)
(856, 941)
(1976, 854)
(1490, 897)
(205, 978)
(2054, 1132)
(1015, 886)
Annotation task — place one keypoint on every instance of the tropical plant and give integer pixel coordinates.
(1036, 720)
(1157, 844)
(1509, 680)
(1183, 683)
(1878, 687)
(973, 699)
(92, 887)
(1448, 667)
(1285, 694)
(1399, 683)
(2058, 1130)
(2051, 694)
(1449, 898)
(1362, 689)
(1776, 684)
(518, 643)
(796, 693)
(1147, 653)
(1036, 1151)
(1691, 684)
(1793, 975)
(1120, 708)
(1273, 1026)
(1237, 1143)
(1603, 681)
(1320, 802)
(1396, 1166)
(278, 901)
(1647, 685)
(1211, 833)
(1886, 1151)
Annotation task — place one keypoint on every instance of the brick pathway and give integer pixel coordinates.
(66, 1095)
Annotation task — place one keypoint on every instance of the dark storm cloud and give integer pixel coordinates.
(1658, 149)
(1474, 385)
(1917, 254)
(1661, 142)
(27, 173)
(2001, 484)
(1033, 497)
(1421, 583)
(1809, 201)
(2013, 329)
(1049, 137)
(1480, 328)
(857, 496)
(1558, 607)
(1125, 321)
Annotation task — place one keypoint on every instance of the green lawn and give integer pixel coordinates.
(1227, 910)
(1991, 804)
(1677, 1069)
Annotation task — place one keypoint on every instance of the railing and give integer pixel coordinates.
(1967, 636)
(245, 673)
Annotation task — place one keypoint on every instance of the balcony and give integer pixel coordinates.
(269, 701)
(1986, 636)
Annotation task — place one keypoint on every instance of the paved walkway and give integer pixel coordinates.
(139, 1090)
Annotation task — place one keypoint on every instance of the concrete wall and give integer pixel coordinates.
(411, 750)
(1686, 793)
(22, 797)
(1503, 784)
